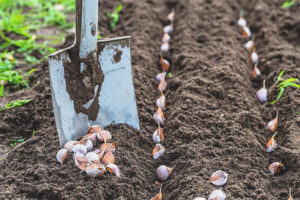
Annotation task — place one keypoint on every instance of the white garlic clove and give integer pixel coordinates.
(92, 157)
(161, 102)
(242, 22)
(104, 136)
(171, 16)
(217, 195)
(159, 116)
(79, 148)
(254, 57)
(158, 151)
(246, 31)
(162, 86)
(272, 125)
(199, 198)
(166, 37)
(161, 76)
(163, 172)
(114, 169)
(219, 178)
(168, 29)
(255, 72)
(158, 136)
(164, 47)
(95, 169)
(69, 145)
(249, 45)
(275, 168)
(81, 162)
(62, 155)
(89, 145)
(262, 94)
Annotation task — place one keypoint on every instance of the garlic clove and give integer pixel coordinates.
(271, 145)
(159, 116)
(108, 146)
(161, 102)
(262, 94)
(276, 167)
(94, 129)
(62, 155)
(162, 86)
(159, 195)
(219, 178)
(255, 72)
(69, 145)
(158, 136)
(246, 31)
(168, 29)
(114, 169)
(165, 65)
(158, 151)
(199, 198)
(80, 162)
(249, 45)
(254, 57)
(171, 15)
(290, 194)
(108, 158)
(163, 172)
(164, 47)
(217, 195)
(79, 148)
(166, 37)
(95, 169)
(104, 136)
(272, 125)
(242, 22)
(161, 76)
(92, 157)
(88, 144)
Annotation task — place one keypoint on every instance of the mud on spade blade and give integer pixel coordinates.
(91, 81)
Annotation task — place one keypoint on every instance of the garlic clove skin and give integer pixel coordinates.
(104, 136)
(249, 45)
(158, 136)
(159, 116)
(69, 145)
(92, 157)
(161, 102)
(246, 31)
(164, 47)
(166, 37)
(275, 168)
(62, 155)
(168, 29)
(162, 86)
(158, 151)
(79, 148)
(199, 198)
(242, 22)
(217, 195)
(114, 169)
(95, 169)
(163, 172)
(219, 178)
(165, 65)
(272, 125)
(161, 76)
(254, 57)
(108, 158)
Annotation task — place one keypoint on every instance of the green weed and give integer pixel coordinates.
(15, 141)
(288, 3)
(114, 17)
(14, 104)
(284, 83)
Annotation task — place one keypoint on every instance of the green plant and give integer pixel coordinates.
(15, 141)
(288, 3)
(15, 104)
(114, 17)
(284, 83)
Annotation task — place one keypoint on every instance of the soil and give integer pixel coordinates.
(213, 120)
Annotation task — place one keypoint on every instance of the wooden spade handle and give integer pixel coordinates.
(86, 26)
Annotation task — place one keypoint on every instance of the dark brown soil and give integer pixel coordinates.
(213, 119)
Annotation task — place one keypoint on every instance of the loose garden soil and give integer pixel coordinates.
(213, 120)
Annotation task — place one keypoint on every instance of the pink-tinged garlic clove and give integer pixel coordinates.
(254, 57)
(79, 148)
(162, 86)
(158, 136)
(161, 102)
(217, 195)
(114, 169)
(219, 178)
(92, 157)
(246, 31)
(80, 162)
(158, 151)
(168, 29)
(95, 169)
(165, 47)
(163, 172)
(62, 155)
(242, 22)
(271, 145)
(89, 145)
(275, 168)
(108, 158)
(262, 94)
(165, 65)
(249, 45)
(171, 15)
(159, 195)
(161, 76)
(104, 136)
(159, 116)
(255, 72)
(69, 145)
(272, 125)
(166, 37)
(94, 129)
(108, 146)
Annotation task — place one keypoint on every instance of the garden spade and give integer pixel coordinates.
(91, 81)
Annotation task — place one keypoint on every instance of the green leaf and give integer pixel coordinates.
(288, 81)
(1, 90)
(278, 96)
(15, 104)
(170, 75)
(288, 3)
(295, 85)
(280, 75)
(118, 9)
